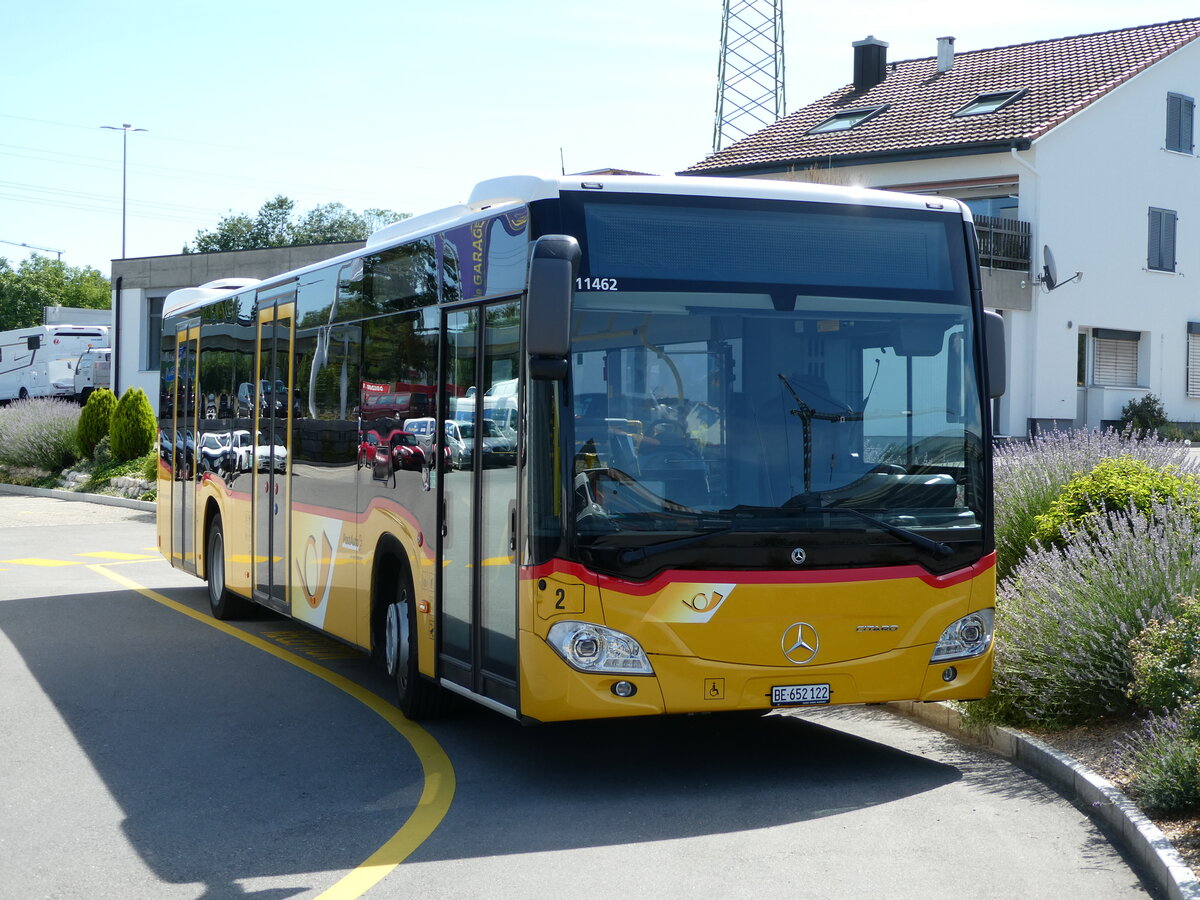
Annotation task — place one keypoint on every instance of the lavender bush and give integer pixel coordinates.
(1066, 616)
(1163, 759)
(1028, 478)
(39, 434)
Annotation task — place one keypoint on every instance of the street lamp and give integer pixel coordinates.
(124, 129)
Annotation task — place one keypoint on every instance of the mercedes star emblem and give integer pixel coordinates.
(800, 643)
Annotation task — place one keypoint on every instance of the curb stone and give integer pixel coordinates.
(1096, 796)
(102, 499)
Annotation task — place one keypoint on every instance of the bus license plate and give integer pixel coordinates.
(799, 694)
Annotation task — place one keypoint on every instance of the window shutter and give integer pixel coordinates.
(1180, 117)
(1193, 360)
(1161, 249)
(1115, 360)
(1187, 114)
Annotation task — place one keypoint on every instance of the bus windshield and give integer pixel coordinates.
(846, 406)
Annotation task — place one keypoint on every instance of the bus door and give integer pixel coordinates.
(272, 438)
(182, 439)
(478, 589)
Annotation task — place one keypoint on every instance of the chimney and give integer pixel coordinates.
(945, 57)
(870, 63)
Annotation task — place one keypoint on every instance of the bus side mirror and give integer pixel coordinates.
(552, 270)
(997, 369)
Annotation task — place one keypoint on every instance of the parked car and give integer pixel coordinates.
(424, 429)
(248, 453)
(497, 448)
(241, 450)
(215, 455)
(398, 451)
(268, 456)
(367, 444)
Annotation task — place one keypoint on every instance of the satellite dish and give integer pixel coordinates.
(1049, 277)
(1049, 269)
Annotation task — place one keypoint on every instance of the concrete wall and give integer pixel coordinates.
(145, 279)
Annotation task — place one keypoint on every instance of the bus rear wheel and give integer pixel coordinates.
(224, 603)
(416, 696)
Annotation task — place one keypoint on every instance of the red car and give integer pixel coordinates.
(399, 450)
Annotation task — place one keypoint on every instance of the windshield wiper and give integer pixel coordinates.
(797, 504)
(937, 548)
(631, 555)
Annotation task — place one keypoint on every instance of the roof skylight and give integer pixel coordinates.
(844, 121)
(989, 103)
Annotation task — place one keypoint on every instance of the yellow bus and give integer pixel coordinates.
(733, 451)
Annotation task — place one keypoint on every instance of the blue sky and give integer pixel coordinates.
(401, 104)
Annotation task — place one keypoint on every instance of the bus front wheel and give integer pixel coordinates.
(417, 697)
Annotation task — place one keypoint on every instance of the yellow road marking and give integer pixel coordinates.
(45, 563)
(113, 554)
(440, 782)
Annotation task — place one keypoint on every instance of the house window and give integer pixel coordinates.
(1193, 359)
(1161, 252)
(1180, 113)
(154, 308)
(989, 103)
(844, 121)
(1115, 357)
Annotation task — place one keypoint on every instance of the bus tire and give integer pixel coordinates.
(416, 696)
(23, 395)
(224, 603)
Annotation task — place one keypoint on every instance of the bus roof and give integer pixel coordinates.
(498, 195)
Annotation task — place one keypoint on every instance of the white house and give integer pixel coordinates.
(1084, 145)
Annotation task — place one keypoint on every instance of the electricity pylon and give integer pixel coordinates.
(750, 77)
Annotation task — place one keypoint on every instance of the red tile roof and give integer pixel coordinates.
(1060, 77)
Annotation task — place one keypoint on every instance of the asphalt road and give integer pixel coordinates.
(146, 753)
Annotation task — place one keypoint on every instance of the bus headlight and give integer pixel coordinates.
(969, 636)
(594, 648)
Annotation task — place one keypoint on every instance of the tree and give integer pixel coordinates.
(39, 282)
(276, 225)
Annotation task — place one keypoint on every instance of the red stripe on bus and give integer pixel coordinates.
(690, 576)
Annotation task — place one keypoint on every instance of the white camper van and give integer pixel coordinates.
(93, 370)
(40, 361)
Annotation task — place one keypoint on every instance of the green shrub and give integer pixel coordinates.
(133, 426)
(1144, 415)
(1113, 485)
(94, 420)
(1164, 761)
(149, 469)
(102, 454)
(1166, 660)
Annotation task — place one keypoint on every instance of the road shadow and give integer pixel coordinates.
(229, 765)
(226, 763)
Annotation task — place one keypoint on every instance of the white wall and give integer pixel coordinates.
(1100, 172)
(131, 354)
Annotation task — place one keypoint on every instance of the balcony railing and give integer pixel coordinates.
(1003, 243)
